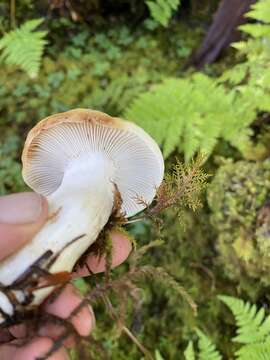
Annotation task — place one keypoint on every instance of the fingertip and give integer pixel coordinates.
(18, 331)
(63, 306)
(122, 247)
(36, 348)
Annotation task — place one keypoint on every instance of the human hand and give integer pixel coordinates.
(21, 217)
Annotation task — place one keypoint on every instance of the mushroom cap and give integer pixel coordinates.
(56, 140)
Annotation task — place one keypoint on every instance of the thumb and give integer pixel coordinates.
(21, 217)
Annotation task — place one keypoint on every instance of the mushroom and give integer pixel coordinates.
(78, 160)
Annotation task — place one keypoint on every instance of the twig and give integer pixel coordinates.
(146, 353)
(112, 311)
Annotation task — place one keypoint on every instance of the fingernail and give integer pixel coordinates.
(21, 208)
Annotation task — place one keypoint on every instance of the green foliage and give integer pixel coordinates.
(158, 355)
(181, 188)
(253, 333)
(252, 324)
(24, 47)
(189, 352)
(81, 285)
(190, 115)
(170, 321)
(255, 48)
(253, 329)
(250, 78)
(161, 10)
(238, 198)
(259, 351)
(10, 169)
(260, 12)
(207, 350)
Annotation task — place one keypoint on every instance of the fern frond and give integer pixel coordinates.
(235, 75)
(239, 45)
(256, 30)
(207, 350)
(253, 325)
(260, 351)
(158, 111)
(189, 352)
(24, 47)
(260, 11)
(158, 355)
(161, 10)
(190, 115)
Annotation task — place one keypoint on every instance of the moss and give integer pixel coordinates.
(239, 200)
(10, 169)
(164, 321)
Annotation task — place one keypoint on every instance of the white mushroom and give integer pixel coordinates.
(77, 159)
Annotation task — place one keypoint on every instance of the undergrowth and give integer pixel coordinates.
(24, 47)
(195, 112)
(253, 334)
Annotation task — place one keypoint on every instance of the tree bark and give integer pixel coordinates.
(222, 32)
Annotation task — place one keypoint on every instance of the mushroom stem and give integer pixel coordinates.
(78, 210)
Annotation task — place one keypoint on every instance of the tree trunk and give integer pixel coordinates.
(222, 32)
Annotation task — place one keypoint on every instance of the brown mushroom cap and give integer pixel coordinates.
(56, 140)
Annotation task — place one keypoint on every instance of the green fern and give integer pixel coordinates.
(260, 11)
(256, 30)
(162, 10)
(190, 115)
(158, 355)
(253, 329)
(24, 47)
(253, 333)
(259, 351)
(207, 350)
(189, 352)
(253, 326)
(253, 75)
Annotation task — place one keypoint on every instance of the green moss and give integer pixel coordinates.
(164, 320)
(10, 169)
(238, 198)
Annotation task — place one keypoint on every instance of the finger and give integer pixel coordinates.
(37, 348)
(62, 307)
(18, 331)
(5, 336)
(121, 249)
(21, 217)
